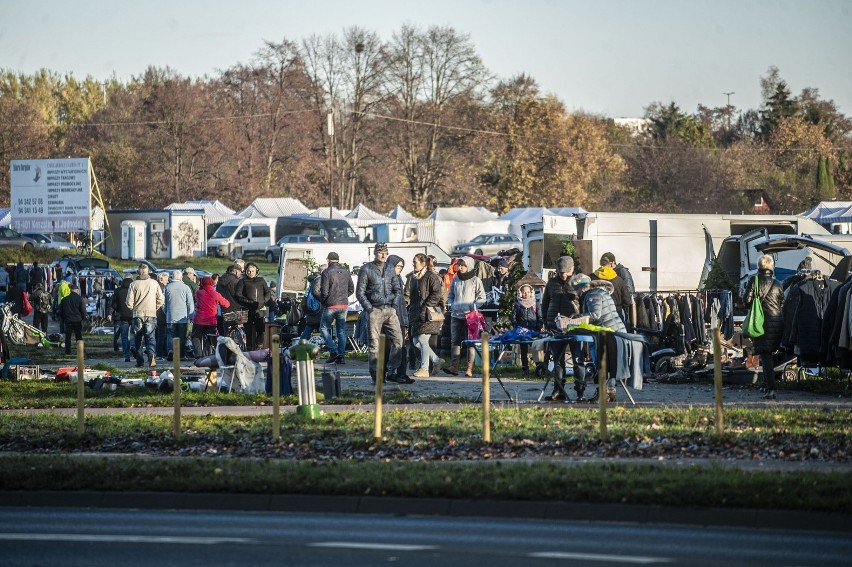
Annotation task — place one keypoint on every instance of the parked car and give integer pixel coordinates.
(156, 270)
(49, 240)
(11, 237)
(273, 253)
(488, 244)
(71, 265)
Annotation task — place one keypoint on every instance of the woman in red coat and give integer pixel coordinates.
(207, 302)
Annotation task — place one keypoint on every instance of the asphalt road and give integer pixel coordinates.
(95, 538)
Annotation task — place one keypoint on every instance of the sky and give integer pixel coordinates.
(607, 57)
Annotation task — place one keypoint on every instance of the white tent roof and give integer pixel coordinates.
(826, 208)
(214, 211)
(322, 213)
(270, 207)
(364, 213)
(462, 214)
(401, 214)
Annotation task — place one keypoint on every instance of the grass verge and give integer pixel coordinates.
(536, 481)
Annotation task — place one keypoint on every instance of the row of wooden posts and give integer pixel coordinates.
(380, 373)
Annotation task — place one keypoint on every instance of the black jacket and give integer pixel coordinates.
(422, 295)
(253, 292)
(813, 298)
(121, 312)
(72, 309)
(227, 287)
(772, 299)
(559, 298)
(335, 285)
(377, 286)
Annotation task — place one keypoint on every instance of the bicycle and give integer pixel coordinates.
(234, 322)
(85, 245)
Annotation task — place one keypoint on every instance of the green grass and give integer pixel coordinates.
(550, 481)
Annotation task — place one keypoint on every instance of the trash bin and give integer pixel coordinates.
(330, 384)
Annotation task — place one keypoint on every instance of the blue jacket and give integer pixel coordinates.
(179, 303)
(599, 306)
(377, 286)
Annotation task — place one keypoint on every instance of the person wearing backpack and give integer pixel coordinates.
(335, 288)
(42, 305)
(310, 306)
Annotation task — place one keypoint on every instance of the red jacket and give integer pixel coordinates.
(207, 300)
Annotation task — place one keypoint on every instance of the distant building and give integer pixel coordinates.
(637, 126)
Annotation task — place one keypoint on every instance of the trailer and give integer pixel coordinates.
(664, 252)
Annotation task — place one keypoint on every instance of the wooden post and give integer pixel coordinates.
(276, 388)
(602, 393)
(176, 380)
(486, 389)
(717, 381)
(380, 378)
(81, 378)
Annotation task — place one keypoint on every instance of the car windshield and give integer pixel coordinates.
(225, 230)
(342, 234)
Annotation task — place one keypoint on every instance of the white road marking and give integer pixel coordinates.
(120, 538)
(385, 546)
(600, 557)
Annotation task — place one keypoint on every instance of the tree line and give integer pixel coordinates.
(416, 120)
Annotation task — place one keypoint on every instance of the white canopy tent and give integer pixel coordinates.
(214, 211)
(272, 207)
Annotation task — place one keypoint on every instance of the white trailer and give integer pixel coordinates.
(293, 264)
(664, 252)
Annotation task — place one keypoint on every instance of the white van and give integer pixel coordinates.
(237, 237)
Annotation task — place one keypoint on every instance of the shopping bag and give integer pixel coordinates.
(26, 306)
(475, 325)
(753, 324)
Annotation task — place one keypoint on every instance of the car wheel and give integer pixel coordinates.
(269, 257)
(28, 246)
(478, 252)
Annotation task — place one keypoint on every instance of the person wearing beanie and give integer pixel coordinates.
(559, 298)
(205, 320)
(597, 303)
(145, 298)
(378, 291)
(621, 296)
(335, 288)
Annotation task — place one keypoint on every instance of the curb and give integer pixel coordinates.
(535, 510)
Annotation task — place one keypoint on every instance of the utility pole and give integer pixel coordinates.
(330, 123)
(104, 89)
(728, 108)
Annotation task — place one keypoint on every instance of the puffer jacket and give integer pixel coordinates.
(335, 285)
(378, 286)
(422, 295)
(559, 298)
(772, 299)
(527, 317)
(599, 306)
(620, 295)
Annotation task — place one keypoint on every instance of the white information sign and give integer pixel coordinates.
(51, 195)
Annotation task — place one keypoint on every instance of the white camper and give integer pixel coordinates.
(664, 252)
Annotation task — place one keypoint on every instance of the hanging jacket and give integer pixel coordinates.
(814, 295)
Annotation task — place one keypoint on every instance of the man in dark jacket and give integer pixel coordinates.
(335, 288)
(771, 296)
(227, 288)
(123, 315)
(72, 311)
(377, 291)
(253, 292)
(559, 298)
